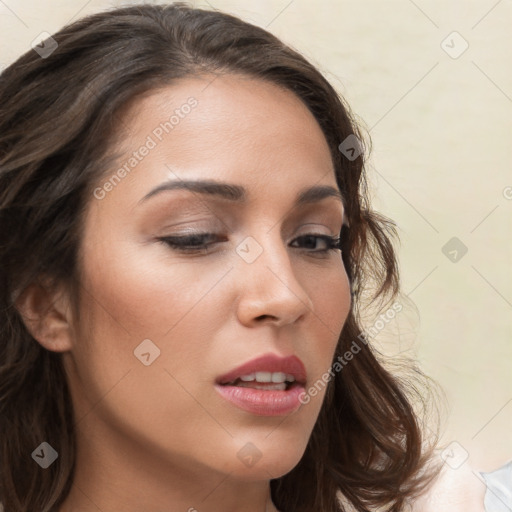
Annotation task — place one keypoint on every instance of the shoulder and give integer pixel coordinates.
(454, 490)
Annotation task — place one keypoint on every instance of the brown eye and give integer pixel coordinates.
(198, 242)
(190, 243)
(330, 242)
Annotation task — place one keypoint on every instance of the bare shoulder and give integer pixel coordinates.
(454, 490)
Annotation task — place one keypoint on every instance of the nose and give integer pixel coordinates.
(269, 290)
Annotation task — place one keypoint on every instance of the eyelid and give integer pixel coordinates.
(315, 226)
(332, 241)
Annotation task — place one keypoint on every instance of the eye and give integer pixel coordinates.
(331, 243)
(190, 243)
(199, 242)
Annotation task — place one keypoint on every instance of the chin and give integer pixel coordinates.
(270, 469)
(270, 458)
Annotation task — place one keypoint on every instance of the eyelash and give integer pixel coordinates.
(183, 243)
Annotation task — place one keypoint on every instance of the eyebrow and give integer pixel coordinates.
(237, 193)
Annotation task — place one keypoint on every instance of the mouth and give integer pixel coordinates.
(267, 386)
(270, 381)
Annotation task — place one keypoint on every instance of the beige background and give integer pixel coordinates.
(441, 164)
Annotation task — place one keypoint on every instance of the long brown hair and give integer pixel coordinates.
(58, 116)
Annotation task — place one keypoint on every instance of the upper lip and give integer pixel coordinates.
(291, 365)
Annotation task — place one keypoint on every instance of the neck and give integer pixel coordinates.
(105, 480)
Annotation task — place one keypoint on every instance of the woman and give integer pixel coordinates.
(186, 242)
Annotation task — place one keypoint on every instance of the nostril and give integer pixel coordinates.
(263, 317)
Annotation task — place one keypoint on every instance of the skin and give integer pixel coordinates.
(159, 437)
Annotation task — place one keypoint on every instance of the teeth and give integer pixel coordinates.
(278, 377)
(274, 377)
(267, 387)
(263, 377)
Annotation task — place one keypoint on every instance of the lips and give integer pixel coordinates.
(272, 363)
(265, 399)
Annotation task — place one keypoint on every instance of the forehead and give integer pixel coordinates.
(230, 127)
(233, 110)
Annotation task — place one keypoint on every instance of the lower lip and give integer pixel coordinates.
(261, 402)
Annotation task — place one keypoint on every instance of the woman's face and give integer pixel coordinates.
(160, 326)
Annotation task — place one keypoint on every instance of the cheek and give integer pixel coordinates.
(136, 295)
(331, 299)
(126, 301)
(134, 298)
(329, 290)
(334, 298)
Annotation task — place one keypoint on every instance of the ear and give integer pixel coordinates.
(46, 313)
